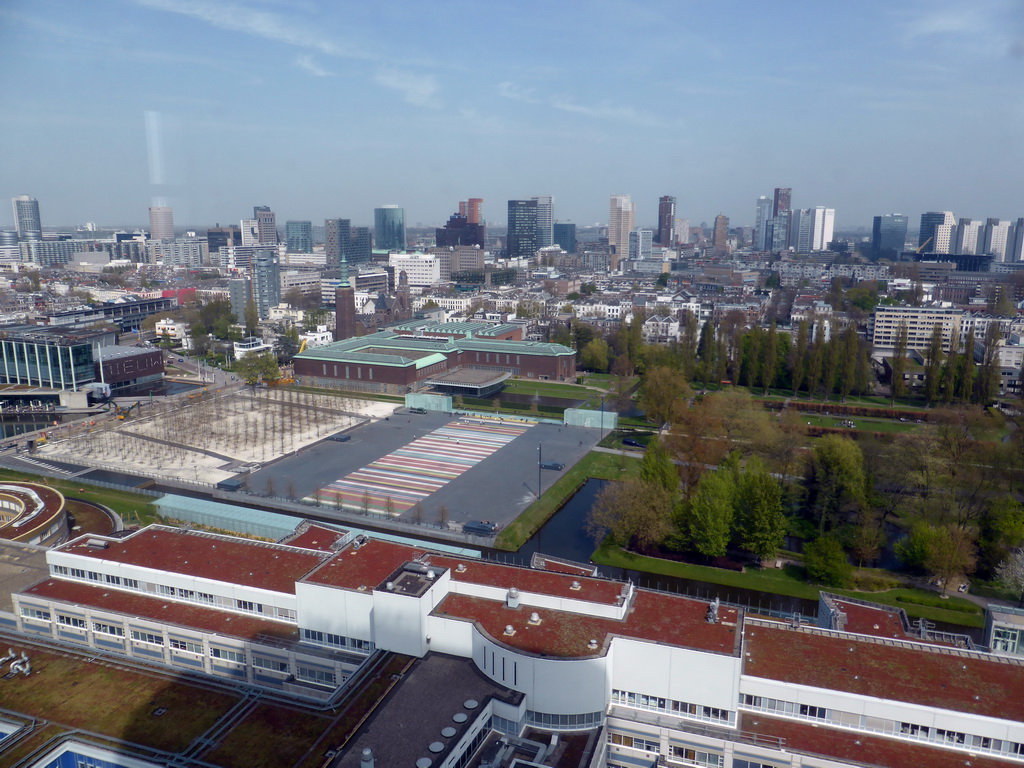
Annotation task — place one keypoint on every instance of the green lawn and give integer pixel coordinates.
(132, 507)
(789, 581)
(867, 425)
(551, 389)
(602, 465)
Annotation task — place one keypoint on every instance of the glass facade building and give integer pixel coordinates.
(565, 237)
(299, 236)
(389, 228)
(522, 229)
(888, 236)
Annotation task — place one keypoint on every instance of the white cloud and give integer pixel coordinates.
(265, 24)
(605, 110)
(418, 89)
(305, 61)
(510, 90)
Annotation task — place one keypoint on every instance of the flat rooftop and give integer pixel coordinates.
(273, 567)
(860, 748)
(654, 616)
(21, 565)
(366, 566)
(414, 714)
(158, 609)
(923, 674)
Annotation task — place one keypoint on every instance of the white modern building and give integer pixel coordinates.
(423, 269)
(656, 677)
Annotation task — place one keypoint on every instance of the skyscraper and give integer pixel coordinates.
(471, 209)
(888, 236)
(459, 231)
(777, 234)
(26, 218)
(298, 236)
(266, 225)
(782, 200)
(389, 228)
(266, 280)
(360, 246)
(666, 221)
(720, 235)
(545, 220)
(762, 219)
(997, 239)
(161, 223)
(250, 232)
(565, 236)
(1016, 250)
(337, 233)
(521, 240)
(823, 224)
(930, 222)
(966, 236)
(621, 221)
(640, 243)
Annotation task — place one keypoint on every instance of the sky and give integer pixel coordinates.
(325, 108)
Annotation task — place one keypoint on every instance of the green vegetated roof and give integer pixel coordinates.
(352, 349)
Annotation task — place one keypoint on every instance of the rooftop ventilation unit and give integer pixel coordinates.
(366, 758)
(576, 586)
(592, 645)
(97, 544)
(535, 618)
(509, 630)
(512, 599)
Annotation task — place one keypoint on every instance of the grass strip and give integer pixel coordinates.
(605, 466)
(788, 581)
(132, 507)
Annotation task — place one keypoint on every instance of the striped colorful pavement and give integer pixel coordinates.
(416, 470)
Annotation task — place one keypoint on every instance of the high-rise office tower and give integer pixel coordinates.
(800, 229)
(782, 200)
(997, 238)
(161, 223)
(1016, 250)
(389, 228)
(720, 234)
(565, 236)
(26, 217)
(471, 209)
(930, 221)
(683, 230)
(337, 233)
(521, 240)
(545, 220)
(218, 237)
(823, 224)
(459, 231)
(777, 234)
(298, 235)
(888, 236)
(621, 221)
(666, 221)
(762, 218)
(360, 246)
(266, 225)
(266, 280)
(966, 236)
(640, 243)
(239, 293)
(250, 232)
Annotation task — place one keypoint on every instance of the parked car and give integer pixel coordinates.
(480, 527)
(420, 411)
(555, 465)
(340, 438)
(632, 442)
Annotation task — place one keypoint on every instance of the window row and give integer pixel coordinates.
(336, 641)
(681, 708)
(625, 740)
(883, 725)
(564, 722)
(697, 757)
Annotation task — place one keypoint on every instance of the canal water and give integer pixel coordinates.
(565, 536)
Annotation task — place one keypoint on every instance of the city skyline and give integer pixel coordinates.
(168, 103)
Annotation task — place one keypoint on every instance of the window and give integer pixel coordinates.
(950, 737)
(696, 757)
(71, 621)
(633, 741)
(248, 606)
(93, 576)
(266, 663)
(35, 613)
(184, 645)
(147, 637)
(163, 589)
(59, 570)
(318, 676)
(226, 655)
(808, 711)
(107, 629)
(130, 583)
(77, 573)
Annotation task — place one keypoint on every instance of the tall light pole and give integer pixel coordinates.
(602, 415)
(539, 459)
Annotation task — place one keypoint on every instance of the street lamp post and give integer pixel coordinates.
(539, 460)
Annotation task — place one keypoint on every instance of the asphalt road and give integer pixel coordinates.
(497, 489)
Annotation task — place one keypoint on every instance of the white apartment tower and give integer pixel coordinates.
(823, 222)
(967, 236)
(997, 237)
(545, 220)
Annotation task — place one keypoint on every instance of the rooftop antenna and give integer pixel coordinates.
(923, 626)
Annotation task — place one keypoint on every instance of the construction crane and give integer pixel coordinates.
(924, 245)
(302, 346)
(123, 412)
